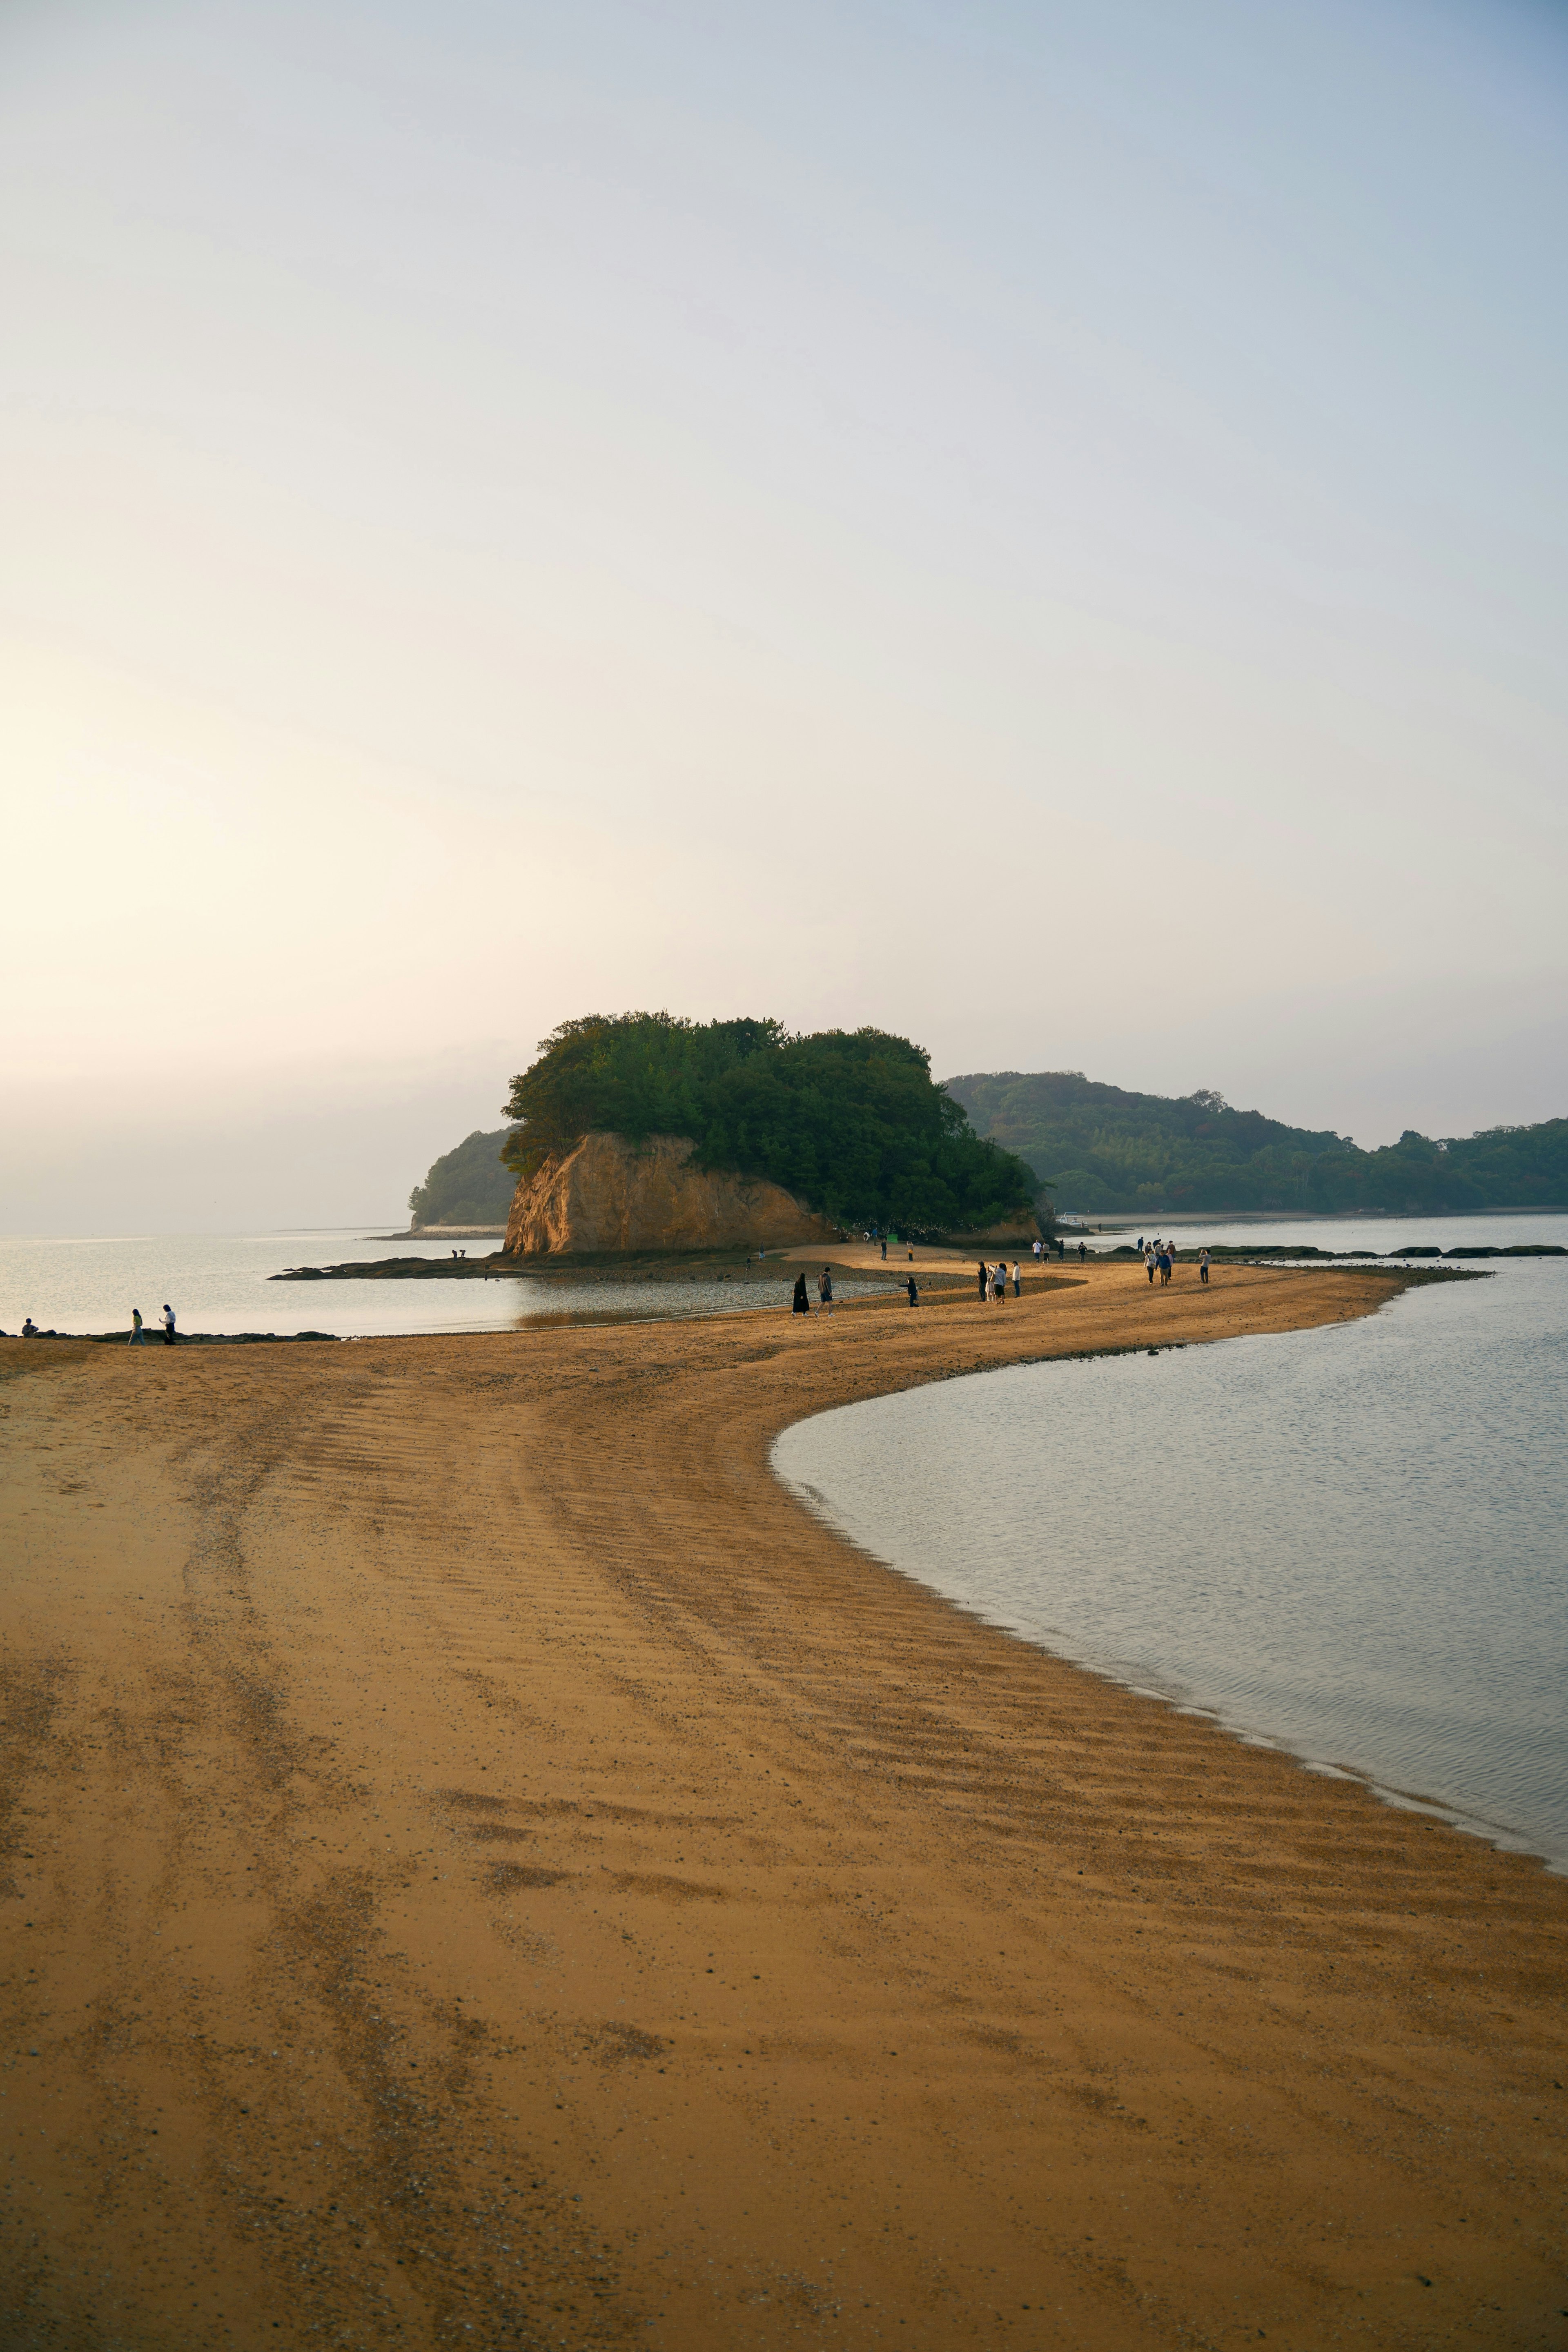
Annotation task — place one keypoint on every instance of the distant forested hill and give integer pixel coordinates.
(467, 1186)
(1101, 1148)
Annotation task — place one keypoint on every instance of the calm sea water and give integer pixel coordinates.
(1351, 1543)
(222, 1284)
(1386, 1235)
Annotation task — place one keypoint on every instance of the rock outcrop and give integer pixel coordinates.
(610, 1194)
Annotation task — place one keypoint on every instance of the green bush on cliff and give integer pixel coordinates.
(849, 1120)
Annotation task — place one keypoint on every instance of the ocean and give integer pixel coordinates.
(1351, 1543)
(222, 1283)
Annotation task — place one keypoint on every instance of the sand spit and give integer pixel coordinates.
(482, 1866)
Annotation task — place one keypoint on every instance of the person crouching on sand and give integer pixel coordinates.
(800, 1304)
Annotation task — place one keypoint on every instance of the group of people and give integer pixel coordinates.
(1160, 1258)
(137, 1335)
(993, 1279)
(800, 1304)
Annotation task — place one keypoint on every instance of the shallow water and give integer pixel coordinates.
(217, 1282)
(1384, 1235)
(1351, 1542)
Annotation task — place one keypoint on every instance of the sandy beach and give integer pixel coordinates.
(483, 1867)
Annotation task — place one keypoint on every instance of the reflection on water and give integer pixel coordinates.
(223, 1284)
(1353, 1542)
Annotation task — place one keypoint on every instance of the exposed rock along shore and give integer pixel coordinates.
(609, 1194)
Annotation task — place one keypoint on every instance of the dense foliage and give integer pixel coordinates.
(1098, 1148)
(467, 1186)
(848, 1121)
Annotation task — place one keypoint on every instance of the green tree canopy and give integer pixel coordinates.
(849, 1120)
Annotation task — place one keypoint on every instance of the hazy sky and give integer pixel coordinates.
(1039, 527)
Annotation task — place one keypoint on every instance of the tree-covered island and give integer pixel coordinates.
(849, 1121)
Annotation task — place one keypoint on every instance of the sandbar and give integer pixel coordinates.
(482, 1865)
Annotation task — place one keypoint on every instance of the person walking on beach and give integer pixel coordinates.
(800, 1304)
(985, 1281)
(913, 1291)
(999, 1279)
(168, 1325)
(1165, 1265)
(884, 1244)
(1149, 1264)
(1017, 1285)
(825, 1290)
(1202, 1266)
(135, 1338)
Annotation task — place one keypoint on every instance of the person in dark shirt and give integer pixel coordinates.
(800, 1304)
(913, 1291)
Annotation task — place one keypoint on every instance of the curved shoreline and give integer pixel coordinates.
(495, 1859)
(824, 1474)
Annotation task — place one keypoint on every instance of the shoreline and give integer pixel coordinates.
(521, 1866)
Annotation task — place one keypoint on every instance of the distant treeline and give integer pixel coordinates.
(467, 1186)
(1101, 1148)
(848, 1121)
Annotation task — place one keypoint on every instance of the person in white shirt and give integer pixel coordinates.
(1017, 1285)
(168, 1325)
(1202, 1266)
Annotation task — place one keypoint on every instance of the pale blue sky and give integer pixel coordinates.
(1042, 529)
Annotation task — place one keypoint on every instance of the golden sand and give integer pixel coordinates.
(484, 1867)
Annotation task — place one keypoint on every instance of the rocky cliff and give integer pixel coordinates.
(609, 1194)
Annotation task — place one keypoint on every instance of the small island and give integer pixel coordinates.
(650, 1131)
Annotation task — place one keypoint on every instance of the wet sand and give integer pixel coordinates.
(482, 1866)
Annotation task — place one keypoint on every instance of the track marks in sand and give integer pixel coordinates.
(559, 1893)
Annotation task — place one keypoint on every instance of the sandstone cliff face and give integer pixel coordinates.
(608, 1194)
